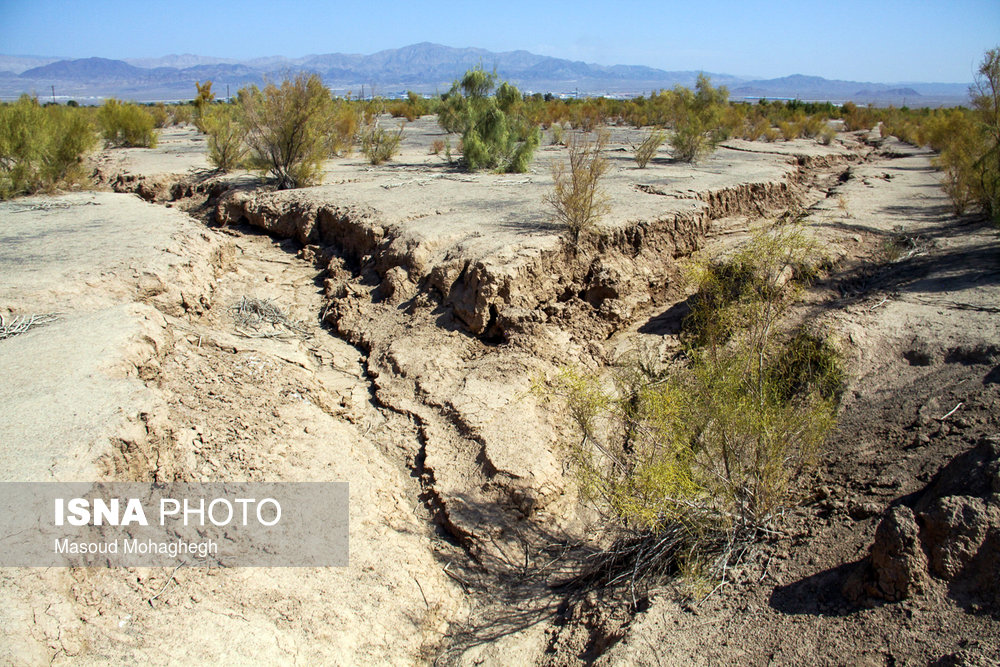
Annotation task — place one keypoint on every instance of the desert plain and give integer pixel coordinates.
(429, 304)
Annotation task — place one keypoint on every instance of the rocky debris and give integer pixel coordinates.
(949, 531)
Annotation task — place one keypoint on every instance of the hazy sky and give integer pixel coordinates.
(865, 41)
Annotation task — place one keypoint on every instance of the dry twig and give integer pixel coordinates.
(22, 323)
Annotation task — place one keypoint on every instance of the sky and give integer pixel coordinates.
(875, 41)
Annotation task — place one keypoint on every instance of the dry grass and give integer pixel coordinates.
(262, 318)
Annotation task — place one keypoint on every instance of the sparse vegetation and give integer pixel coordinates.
(126, 125)
(287, 128)
(41, 148)
(495, 133)
(577, 197)
(647, 149)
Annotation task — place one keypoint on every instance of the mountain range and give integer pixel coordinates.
(421, 67)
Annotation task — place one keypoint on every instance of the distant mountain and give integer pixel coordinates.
(799, 86)
(93, 70)
(179, 61)
(423, 67)
(888, 92)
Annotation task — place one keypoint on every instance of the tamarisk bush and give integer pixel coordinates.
(691, 462)
(576, 196)
(41, 147)
(286, 128)
(495, 133)
(126, 125)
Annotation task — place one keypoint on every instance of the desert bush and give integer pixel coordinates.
(807, 364)
(811, 126)
(202, 102)
(826, 136)
(343, 128)
(436, 147)
(182, 113)
(647, 149)
(413, 107)
(577, 197)
(41, 148)
(286, 128)
(985, 95)
(969, 144)
(495, 133)
(696, 120)
(227, 147)
(380, 145)
(755, 128)
(693, 461)
(587, 116)
(689, 142)
(123, 124)
(789, 130)
(557, 134)
(160, 115)
(857, 118)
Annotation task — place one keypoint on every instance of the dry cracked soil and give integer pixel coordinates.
(428, 305)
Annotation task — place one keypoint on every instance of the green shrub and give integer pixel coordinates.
(495, 133)
(126, 125)
(969, 144)
(807, 364)
(42, 148)
(690, 462)
(986, 104)
(379, 145)
(697, 120)
(286, 129)
(576, 197)
(689, 142)
(647, 149)
(227, 147)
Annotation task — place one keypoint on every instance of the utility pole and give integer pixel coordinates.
(53, 93)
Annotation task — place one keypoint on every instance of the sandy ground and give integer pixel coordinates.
(432, 302)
